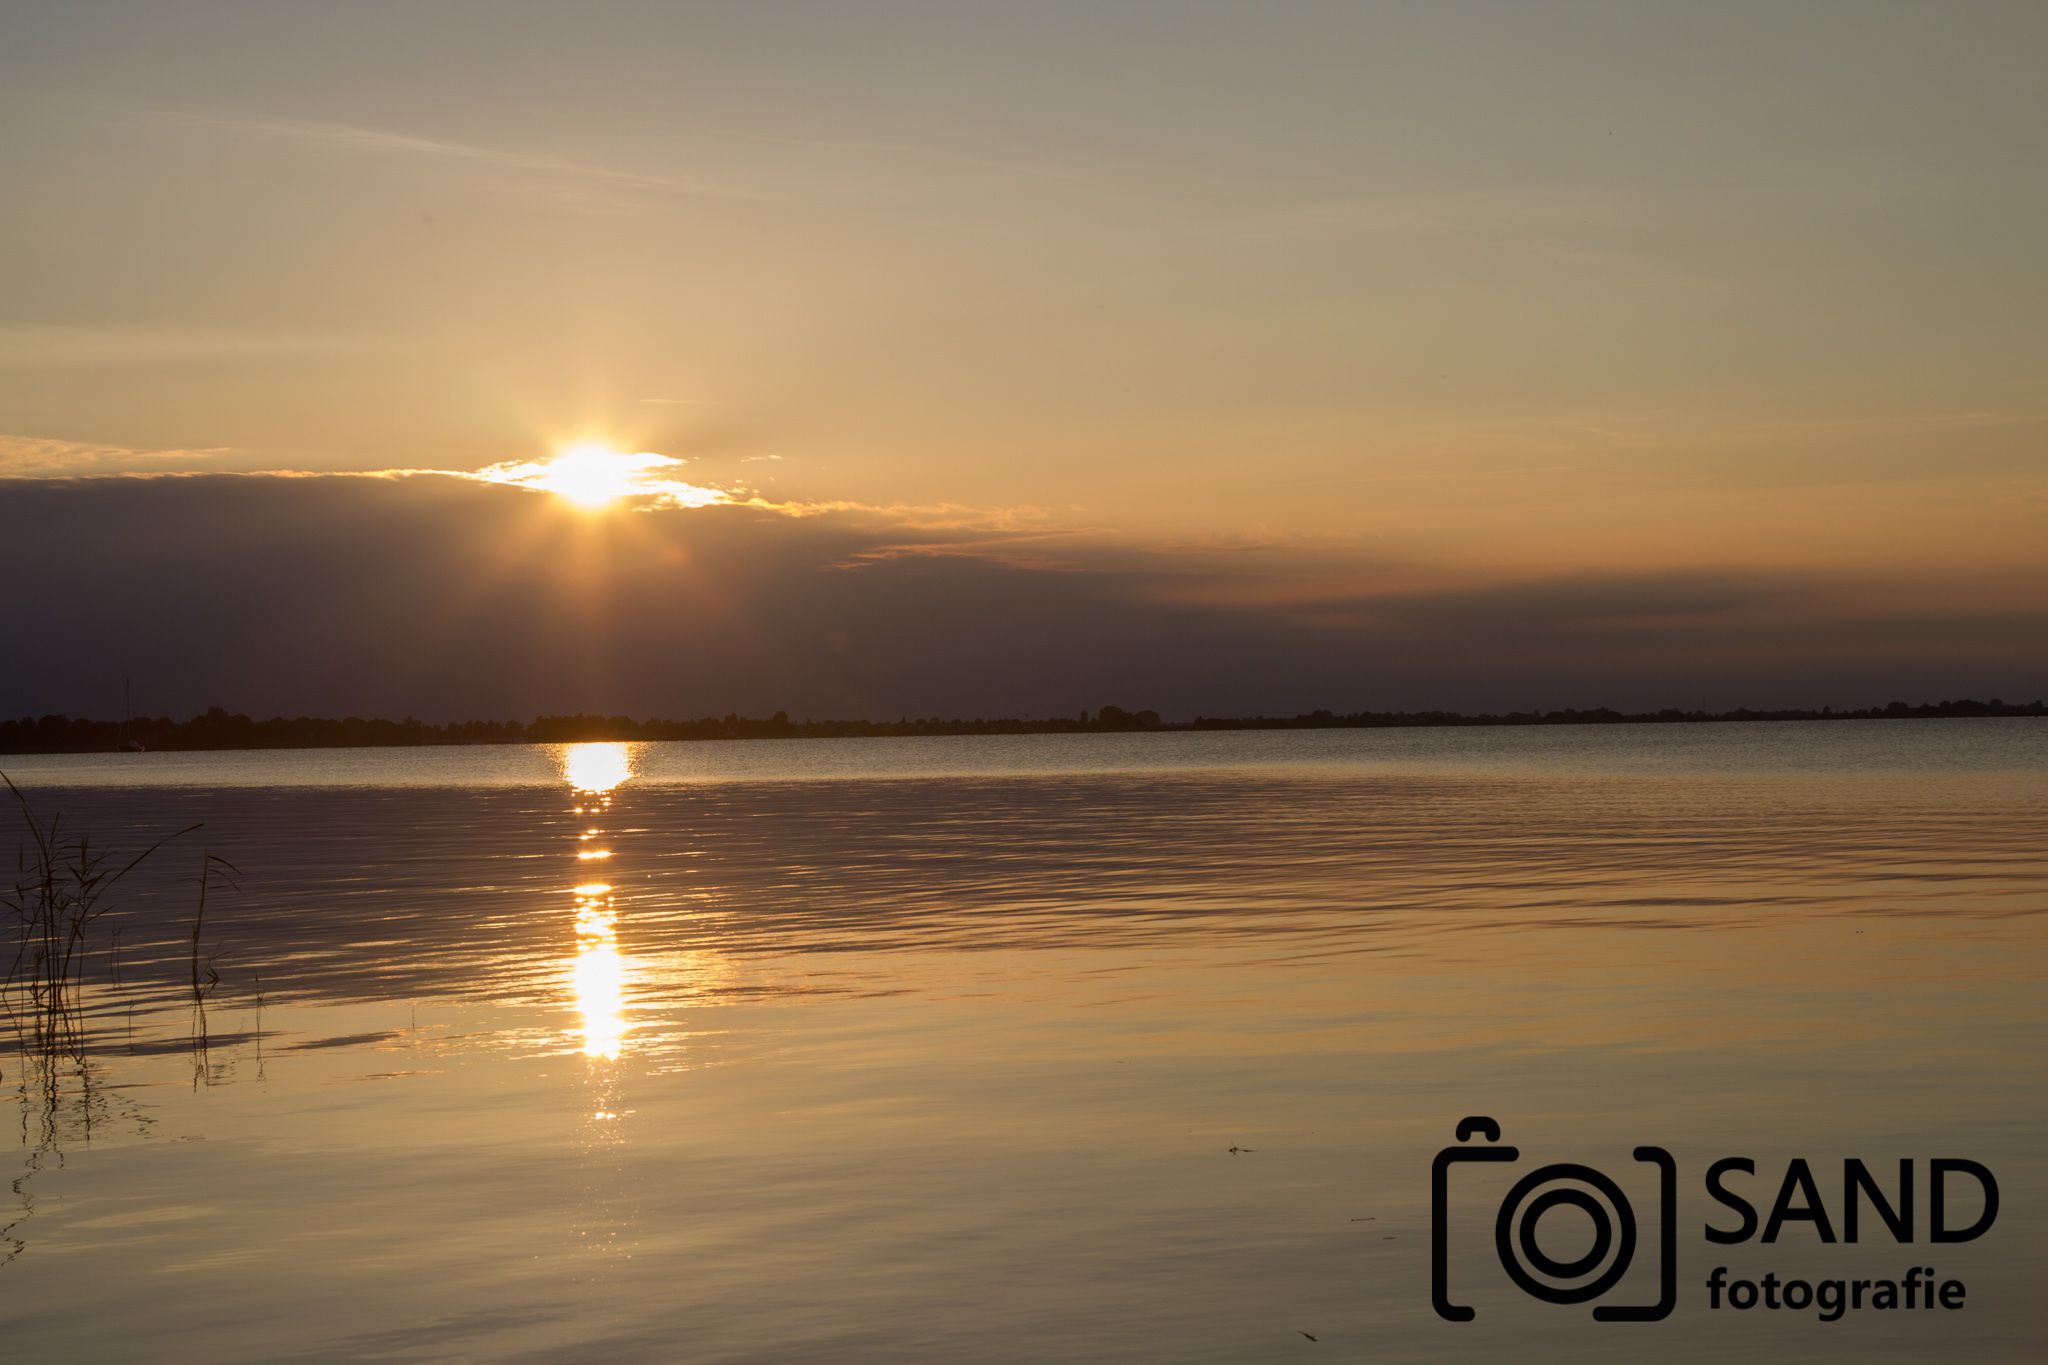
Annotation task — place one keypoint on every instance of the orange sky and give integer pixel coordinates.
(1390, 297)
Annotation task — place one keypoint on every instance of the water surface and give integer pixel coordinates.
(938, 1049)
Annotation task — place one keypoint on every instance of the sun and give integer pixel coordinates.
(592, 475)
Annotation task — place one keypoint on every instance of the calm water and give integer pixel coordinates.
(938, 1050)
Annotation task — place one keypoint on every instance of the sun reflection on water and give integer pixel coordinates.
(596, 769)
(598, 973)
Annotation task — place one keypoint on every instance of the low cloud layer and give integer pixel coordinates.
(444, 598)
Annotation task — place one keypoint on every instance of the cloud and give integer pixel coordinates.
(535, 170)
(36, 457)
(594, 475)
(444, 596)
(639, 481)
(1591, 600)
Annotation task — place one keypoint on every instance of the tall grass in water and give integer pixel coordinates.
(61, 886)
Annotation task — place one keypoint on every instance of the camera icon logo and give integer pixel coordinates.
(1563, 1184)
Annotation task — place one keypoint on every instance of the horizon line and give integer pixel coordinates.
(218, 728)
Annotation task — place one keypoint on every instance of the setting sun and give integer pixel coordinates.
(594, 475)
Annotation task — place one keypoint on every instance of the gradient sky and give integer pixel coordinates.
(1352, 355)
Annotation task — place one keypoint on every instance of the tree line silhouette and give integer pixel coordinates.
(218, 729)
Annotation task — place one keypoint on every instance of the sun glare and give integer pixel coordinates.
(595, 476)
(594, 768)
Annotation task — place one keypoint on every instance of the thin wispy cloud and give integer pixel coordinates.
(921, 154)
(539, 168)
(41, 457)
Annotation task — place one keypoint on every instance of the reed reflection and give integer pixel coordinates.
(594, 773)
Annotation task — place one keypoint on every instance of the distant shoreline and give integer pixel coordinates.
(219, 730)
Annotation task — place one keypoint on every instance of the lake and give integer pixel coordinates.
(1026, 1048)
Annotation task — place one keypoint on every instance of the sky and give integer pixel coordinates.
(1009, 359)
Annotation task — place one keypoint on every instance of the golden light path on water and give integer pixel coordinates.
(596, 770)
(598, 975)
